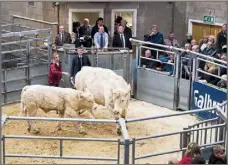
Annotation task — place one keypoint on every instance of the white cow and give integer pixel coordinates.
(59, 99)
(108, 89)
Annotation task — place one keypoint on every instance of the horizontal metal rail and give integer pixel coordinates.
(173, 151)
(35, 20)
(217, 64)
(14, 51)
(151, 59)
(164, 51)
(178, 132)
(11, 24)
(21, 34)
(61, 157)
(170, 115)
(154, 70)
(177, 49)
(60, 138)
(205, 121)
(213, 75)
(62, 119)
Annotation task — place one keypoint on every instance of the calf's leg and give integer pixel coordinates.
(31, 124)
(61, 115)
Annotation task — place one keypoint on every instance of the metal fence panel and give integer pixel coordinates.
(184, 94)
(155, 88)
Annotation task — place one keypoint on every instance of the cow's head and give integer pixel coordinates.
(87, 100)
(120, 100)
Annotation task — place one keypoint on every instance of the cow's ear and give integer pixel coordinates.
(115, 93)
(128, 88)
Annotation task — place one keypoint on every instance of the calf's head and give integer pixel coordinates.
(120, 100)
(87, 100)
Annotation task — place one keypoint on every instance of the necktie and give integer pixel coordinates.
(101, 41)
(122, 39)
(80, 57)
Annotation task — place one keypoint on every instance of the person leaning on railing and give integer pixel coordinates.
(168, 66)
(193, 150)
(218, 155)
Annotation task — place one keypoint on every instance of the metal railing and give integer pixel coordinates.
(185, 137)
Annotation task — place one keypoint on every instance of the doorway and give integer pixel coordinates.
(130, 15)
(80, 14)
(201, 30)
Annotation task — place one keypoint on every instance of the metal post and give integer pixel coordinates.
(126, 140)
(4, 85)
(28, 63)
(3, 149)
(133, 151)
(137, 64)
(227, 81)
(176, 84)
(61, 147)
(0, 86)
(185, 140)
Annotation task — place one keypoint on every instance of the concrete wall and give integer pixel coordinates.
(196, 10)
(148, 13)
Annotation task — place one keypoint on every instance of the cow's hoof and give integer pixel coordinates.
(28, 129)
(35, 131)
(58, 128)
(82, 131)
(118, 132)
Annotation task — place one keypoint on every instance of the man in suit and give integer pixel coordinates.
(78, 62)
(85, 31)
(127, 30)
(63, 37)
(101, 39)
(121, 40)
(99, 23)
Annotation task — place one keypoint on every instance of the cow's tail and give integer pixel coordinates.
(23, 107)
(23, 110)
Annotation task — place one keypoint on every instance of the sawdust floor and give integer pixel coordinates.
(100, 149)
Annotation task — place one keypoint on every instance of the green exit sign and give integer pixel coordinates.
(209, 19)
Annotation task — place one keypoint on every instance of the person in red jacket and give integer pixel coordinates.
(55, 71)
(193, 149)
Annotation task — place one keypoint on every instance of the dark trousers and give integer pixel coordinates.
(54, 85)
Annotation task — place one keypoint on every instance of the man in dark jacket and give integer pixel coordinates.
(121, 40)
(63, 37)
(218, 155)
(221, 38)
(78, 62)
(99, 23)
(85, 31)
(127, 30)
(155, 37)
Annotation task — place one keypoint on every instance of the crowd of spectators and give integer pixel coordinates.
(86, 35)
(210, 46)
(194, 155)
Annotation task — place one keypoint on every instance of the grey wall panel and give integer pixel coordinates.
(13, 96)
(15, 73)
(40, 80)
(184, 89)
(119, 72)
(155, 88)
(39, 69)
(14, 85)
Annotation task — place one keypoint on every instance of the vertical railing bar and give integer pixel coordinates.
(197, 134)
(118, 152)
(5, 86)
(205, 134)
(216, 130)
(201, 134)
(4, 149)
(61, 147)
(133, 151)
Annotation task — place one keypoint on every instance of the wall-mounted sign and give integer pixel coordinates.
(209, 19)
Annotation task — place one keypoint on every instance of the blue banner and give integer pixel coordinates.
(205, 96)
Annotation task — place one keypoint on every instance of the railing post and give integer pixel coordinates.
(177, 81)
(3, 149)
(126, 140)
(136, 67)
(28, 63)
(186, 140)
